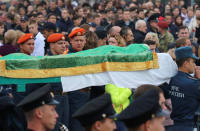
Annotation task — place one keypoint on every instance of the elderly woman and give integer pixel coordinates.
(116, 40)
(153, 37)
(9, 46)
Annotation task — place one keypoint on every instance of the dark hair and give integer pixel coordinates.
(182, 27)
(51, 14)
(176, 21)
(140, 10)
(149, 42)
(124, 31)
(180, 62)
(75, 17)
(133, 9)
(179, 42)
(168, 14)
(144, 88)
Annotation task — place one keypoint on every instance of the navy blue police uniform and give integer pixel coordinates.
(184, 91)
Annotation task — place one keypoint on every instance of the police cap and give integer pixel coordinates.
(38, 98)
(184, 52)
(97, 109)
(142, 109)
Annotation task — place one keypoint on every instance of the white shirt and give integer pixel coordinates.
(39, 45)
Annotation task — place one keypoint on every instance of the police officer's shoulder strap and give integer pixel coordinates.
(193, 78)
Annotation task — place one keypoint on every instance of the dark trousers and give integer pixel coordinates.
(76, 99)
(63, 110)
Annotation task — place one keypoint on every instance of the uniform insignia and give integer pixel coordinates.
(43, 102)
(63, 38)
(52, 95)
(104, 115)
(190, 77)
(153, 116)
(78, 33)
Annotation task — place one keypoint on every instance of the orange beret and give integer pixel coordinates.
(77, 32)
(55, 37)
(25, 37)
(163, 24)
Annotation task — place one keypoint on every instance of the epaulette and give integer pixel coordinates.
(190, 77)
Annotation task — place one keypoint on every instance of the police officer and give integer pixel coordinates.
(97, 114)
(39, 107)
(184, 90)
(144, 114)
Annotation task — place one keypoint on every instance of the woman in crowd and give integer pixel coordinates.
(155, 41)
(10, 43)
(116, 40)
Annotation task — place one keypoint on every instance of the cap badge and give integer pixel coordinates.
(78, 33)
(104, 115)
(52, 95)
(63, 38)
(153, 116)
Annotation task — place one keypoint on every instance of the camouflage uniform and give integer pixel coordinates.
(165, 40)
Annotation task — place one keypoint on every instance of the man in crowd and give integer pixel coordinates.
(65, 23)
(23, 25)
(165, 37)
(39, 42)
(48, 29)
(153, 23)
(26, 43)
(140, 31)
(127, 34)
(126, 20)
(39, 107)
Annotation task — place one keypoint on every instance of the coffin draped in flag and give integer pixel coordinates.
(99, 66)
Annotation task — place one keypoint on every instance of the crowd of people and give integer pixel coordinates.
(61, 27)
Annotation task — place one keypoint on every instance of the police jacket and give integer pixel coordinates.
(184, 91)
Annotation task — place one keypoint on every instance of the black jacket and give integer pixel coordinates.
(139, 37)
(65, 26)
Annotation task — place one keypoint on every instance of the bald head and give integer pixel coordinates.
(115, 30)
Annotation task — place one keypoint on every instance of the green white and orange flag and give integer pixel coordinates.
(93, 62)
